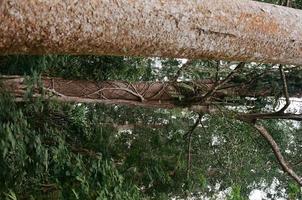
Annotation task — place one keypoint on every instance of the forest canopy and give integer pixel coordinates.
(125, 127)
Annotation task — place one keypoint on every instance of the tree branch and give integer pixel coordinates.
(209, 94)
(285, 90)
(121, 89)
(265, 116)
(189, 135)
(279, 114)
(276, 149)
(181, 69)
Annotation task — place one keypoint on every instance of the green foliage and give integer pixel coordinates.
(52, 150)
(40, 157)
(236, 194)
(78, 67)
(294, 191)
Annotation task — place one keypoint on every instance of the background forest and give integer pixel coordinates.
(60, 150)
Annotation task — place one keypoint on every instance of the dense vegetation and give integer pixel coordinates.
(56, 150)
(86, 151)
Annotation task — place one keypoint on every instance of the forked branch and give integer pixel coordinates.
(275, 115)
(219, 84)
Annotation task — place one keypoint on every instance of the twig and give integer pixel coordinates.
(54, 92)
(189, 134)
(122, 89)
(279, 114)
(285, 90)
(217, 72)
(276, 149)
(182, 68)
(297, 163)
(219, 84)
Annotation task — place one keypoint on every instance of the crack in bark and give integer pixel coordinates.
(217, 33)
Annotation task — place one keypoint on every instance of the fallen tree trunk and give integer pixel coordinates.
(217, 29)
(146, 94)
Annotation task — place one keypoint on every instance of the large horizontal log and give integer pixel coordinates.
(146, 94)
(218, 29)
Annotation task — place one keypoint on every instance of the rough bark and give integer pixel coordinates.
(216, 29)
(147, 94)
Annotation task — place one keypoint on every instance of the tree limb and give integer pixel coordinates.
(265, 116)
(279, 114)
(276, 149)
(209, 94)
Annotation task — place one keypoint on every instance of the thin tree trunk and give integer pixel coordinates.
(216, 29)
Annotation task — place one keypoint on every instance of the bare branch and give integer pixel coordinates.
(297, 163)
(274, 115)
(247, 117)
(217, 71)
(265, 116)
(189, 134)
(122, 89)
(53, 92)
(276, 149)
(220, 84)
(181, 69)
(285, 90)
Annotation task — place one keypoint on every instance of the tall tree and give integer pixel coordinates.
(220, 29)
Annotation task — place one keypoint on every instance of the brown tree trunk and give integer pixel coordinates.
(146, 94)
(216, 29)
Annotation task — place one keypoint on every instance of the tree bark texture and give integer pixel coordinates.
(238, 30)
(146, 94)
